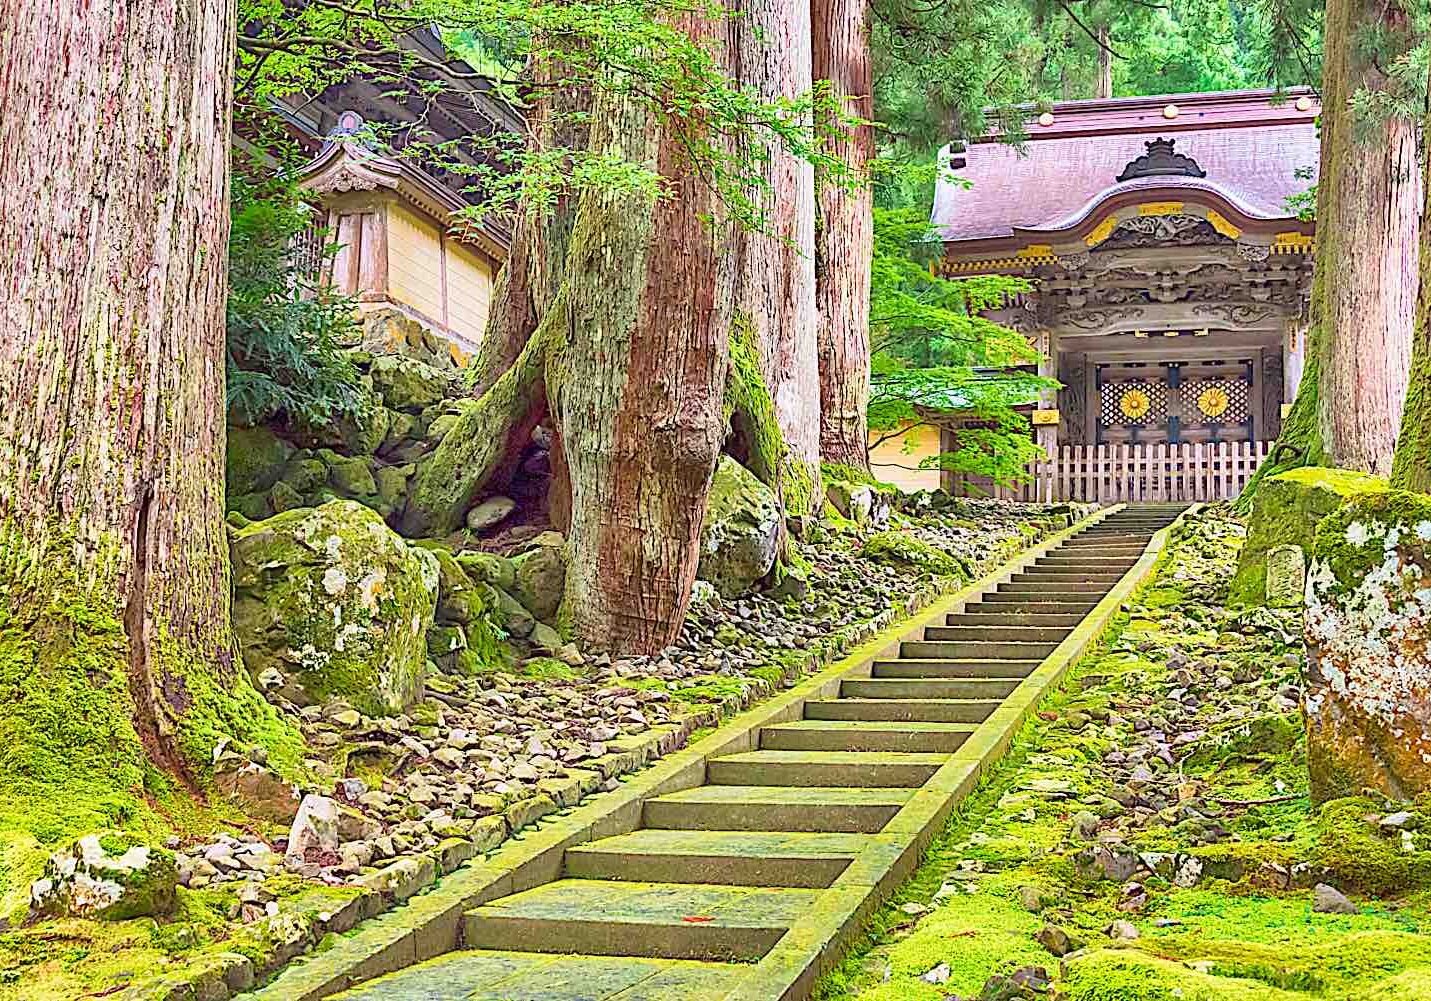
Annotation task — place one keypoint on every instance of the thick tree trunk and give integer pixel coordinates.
(1368, 209)
(114, 119)
(844, 235)
(775, 283)
(636, 370)
(1411, 465)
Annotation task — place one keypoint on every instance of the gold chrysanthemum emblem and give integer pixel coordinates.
(1213, 402)
(1135, 404)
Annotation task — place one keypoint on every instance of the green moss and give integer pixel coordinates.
(1286, 512)
(902, 547)
(853, 474)
(750, 408)
(1349, 562)
(547, 669)
(254, 460)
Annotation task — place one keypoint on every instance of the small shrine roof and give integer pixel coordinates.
(1250, 147)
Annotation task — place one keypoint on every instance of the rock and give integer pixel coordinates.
(106, 877)
(1032, 899)
(1287, 509)
(854, 501)
(254, 460)
(1398, 820)
(513, 615)
(1084, 825)
(1057, 941)
(541, 575)
(1027, 982)
(390, 484)
(938, 975)
(546, 639)
(904, 548)
(913, 908)
(315, 827)
(335, 602)
(490, 512)
(260, 792)
(740, 531)
(1121, 929)
(407, 384)
(495, 570)
(1327, 899)
(284, 498)
(1367, 622)
(351, 477)
(1286, 576)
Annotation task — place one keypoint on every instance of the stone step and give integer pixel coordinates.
(597, 917)
(913, 667)
(910, 688)
(998, 603)
(901, 710)
(1077, 568)
(1056, 587)
(1077, 579)
(491, 975)
(959, 649)
(732, 858)
(848, 769)
(1002, 632)
(774, 808)
(999, 619)
(865, 735)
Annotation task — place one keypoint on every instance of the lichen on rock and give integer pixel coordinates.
(335, 604)
(107, 877)
(741, 530)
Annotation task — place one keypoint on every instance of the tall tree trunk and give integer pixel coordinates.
(844, 235)
(775, 277)
(636, 371)
(114, 590)
(1368, 209)
(1411, 465)
(1105, 62)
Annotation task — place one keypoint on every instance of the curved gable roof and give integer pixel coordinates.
(1251, 145)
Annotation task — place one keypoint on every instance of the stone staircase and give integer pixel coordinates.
(717, 874)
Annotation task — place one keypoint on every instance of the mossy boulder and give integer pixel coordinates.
(540, 575)
(351, 477)
(495, 570)
(254, 461)
(910, 550)
(337, 604)
(108, 877)
(1285, 512)
(407, 384)
(741, 529)
(1368, 633)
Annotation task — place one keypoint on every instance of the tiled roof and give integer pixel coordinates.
(1250, 145)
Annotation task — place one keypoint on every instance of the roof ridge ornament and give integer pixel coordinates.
(1161, 160)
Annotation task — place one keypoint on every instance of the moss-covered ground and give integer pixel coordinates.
(1179, 738)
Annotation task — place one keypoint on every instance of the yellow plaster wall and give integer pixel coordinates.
(895, 460)
(469, 291)
(415, 262)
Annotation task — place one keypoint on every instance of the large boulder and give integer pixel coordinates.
(1368, 632)
(330, 602)
(109, 877)
(741, 530)
(254, 460)
(408, 384)
(1285, 512)
(540, 575)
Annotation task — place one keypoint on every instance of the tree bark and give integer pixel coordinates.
(1368, 209)
(1411, 464)
(844, 235)
(636, 370)
(1105, 63)
(114, 118)
(775, 280)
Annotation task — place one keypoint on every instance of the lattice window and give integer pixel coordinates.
(1134, 403)
(1215, 401)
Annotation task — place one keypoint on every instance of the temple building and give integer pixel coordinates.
(1170, 278)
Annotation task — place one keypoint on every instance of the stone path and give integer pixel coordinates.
(718, 874)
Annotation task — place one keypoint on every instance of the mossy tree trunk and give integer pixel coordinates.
(770, 53)
(844, 235)
(1411, 465)
(114, 118)
(1368, 212)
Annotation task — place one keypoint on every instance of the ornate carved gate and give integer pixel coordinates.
(1174, 402)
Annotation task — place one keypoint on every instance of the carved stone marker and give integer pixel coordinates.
(1286, 576)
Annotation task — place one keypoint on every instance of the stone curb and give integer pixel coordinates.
(819, 941)
(428, 924)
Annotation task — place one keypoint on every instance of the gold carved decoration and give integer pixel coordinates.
(1044, 418)
(1134, 404)
(1102, 231)
(1290, 243)
(1161, 208)
(1221, 224)
(1213, 401)
(1036, 250)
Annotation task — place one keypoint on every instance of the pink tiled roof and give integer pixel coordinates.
(1250, 146)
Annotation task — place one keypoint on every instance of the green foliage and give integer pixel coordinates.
(285, 332)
